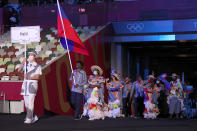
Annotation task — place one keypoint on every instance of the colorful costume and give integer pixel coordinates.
(175, 98)
(96, 81)
(151, 108)
(114, 99)
(95, 108)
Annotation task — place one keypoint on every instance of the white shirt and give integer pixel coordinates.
(26, 88)
(31, 66)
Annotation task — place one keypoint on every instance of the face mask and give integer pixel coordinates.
(77, 66)
(95, 72)
(157, 82)
(31, 58)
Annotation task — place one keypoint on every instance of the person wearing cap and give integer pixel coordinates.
(126, 96)
(95, 107)
(114, 87)
(30, 85)
(78, 79)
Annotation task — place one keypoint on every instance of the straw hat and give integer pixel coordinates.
(128, 79)
(151, 76)
(95, 67)
(116, 75)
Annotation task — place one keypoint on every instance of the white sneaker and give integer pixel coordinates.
(121, 115)
(91, 119)
(81, 117)
(31, 121)
(27, 121)
(34, 119)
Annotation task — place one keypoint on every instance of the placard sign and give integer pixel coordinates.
(25, 34)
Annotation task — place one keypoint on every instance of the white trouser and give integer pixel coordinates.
(29, 105)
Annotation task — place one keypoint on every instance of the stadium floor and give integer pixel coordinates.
(66, 123)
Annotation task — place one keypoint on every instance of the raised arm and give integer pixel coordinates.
(20, 69)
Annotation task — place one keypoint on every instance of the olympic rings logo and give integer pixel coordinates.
(135, 27)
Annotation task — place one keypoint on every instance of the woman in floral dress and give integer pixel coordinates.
(95, 108)
(114, 87)
(151, 108)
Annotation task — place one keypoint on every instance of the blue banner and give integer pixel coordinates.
(185, 25)
(155, 38)
(165, 26)
(143, 27)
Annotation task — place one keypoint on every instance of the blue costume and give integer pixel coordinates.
(114, 99)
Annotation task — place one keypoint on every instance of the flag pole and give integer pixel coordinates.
(58, 5)
(25, 58)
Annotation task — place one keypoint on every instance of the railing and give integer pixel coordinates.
(53, 2)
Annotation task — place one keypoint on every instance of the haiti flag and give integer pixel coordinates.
(74, 42)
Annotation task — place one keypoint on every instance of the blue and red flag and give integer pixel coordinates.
(74, 42)
(163, 77)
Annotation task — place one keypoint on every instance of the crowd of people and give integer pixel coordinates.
(126, 98)
(137, 99)
(50, 2)
(4, 3)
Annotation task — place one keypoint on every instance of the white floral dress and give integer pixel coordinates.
(95, 108)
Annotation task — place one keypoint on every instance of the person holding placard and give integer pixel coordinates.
(30, 85)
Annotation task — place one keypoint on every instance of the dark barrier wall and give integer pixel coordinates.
(1, 20)
(4, 16)
(100, 14)
(54, 91)
(1, 16)
(47, 16)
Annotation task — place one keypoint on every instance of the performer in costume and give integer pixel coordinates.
(95, 107)
(151, 109)
(30, 85)
(78, 80)
(175, 95)
(114, 95)
(156, 92)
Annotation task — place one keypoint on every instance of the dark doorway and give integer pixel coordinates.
(163, 57)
